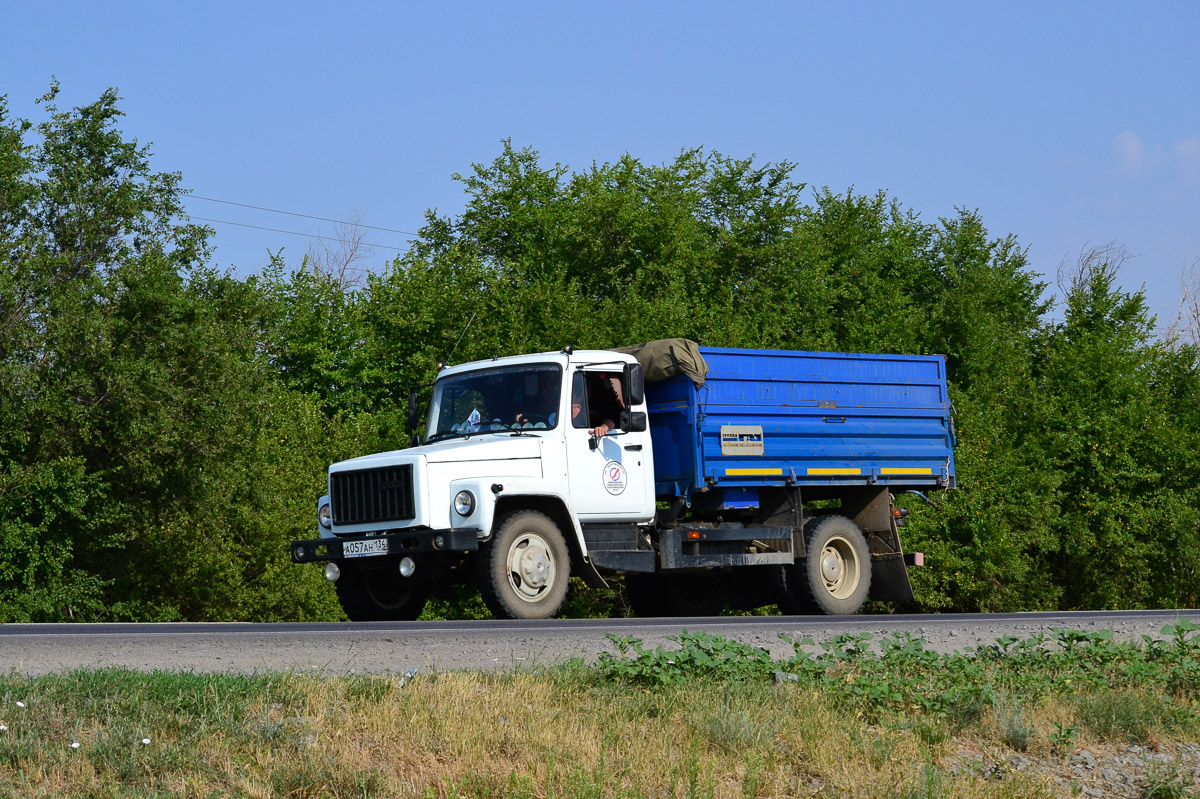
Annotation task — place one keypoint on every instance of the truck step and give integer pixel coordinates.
(610, 536)
(639, 562)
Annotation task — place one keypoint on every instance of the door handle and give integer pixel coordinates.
(633, 447)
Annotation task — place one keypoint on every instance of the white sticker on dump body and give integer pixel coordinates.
(741, 439)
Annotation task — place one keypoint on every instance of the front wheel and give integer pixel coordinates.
(525, 572)
(380, 594)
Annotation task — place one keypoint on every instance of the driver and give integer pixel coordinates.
(606, 392)
(542, 406)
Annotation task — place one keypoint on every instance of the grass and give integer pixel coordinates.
(708, 719)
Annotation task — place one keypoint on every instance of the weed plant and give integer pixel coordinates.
(1154, 684)
(707, 719)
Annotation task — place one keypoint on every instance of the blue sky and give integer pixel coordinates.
(1068, 124)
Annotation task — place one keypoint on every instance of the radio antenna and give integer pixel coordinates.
(460, 337)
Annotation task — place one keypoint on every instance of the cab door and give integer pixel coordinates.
(609, 476)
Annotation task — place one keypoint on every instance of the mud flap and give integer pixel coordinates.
(871, 509)
(590, 576)
(889, 578)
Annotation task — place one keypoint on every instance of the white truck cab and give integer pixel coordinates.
(519, 455)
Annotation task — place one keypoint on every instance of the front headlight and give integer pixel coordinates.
(325, 516)
(464, 503)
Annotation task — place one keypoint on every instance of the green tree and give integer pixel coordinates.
(1124, 445)
(148, 454)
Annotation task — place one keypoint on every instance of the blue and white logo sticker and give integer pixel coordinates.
(614, 478)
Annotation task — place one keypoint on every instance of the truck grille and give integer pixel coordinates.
(372, 495)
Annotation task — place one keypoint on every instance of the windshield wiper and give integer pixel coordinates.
(445, 434)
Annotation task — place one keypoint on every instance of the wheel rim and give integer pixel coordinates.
(839, 567)
(530, 567)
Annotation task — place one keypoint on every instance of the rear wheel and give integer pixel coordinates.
(380, 594)
(791, 591)
(525, 572)
(838, 566)
(675, 595)
(835, 577)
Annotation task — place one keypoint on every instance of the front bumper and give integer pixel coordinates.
(400, 542)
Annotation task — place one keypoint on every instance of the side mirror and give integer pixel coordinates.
(635, 384)
(413, 411)
(633, 422)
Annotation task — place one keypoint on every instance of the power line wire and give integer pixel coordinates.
(293, 213)
(290, 232)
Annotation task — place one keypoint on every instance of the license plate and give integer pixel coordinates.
(364, 549)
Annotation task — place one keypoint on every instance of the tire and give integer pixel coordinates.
(791, 591)
(380, 594)
(525, 572)
(835, 577)
(675, 595)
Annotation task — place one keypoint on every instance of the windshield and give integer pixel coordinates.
(489, 400)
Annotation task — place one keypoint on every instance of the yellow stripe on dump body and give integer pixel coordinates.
(835, 471)
(752, 472)
(905, 471)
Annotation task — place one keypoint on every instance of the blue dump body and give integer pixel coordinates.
(807, 419)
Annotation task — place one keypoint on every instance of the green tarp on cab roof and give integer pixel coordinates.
(668, 357)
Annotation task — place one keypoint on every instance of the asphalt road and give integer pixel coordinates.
(396, 647)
